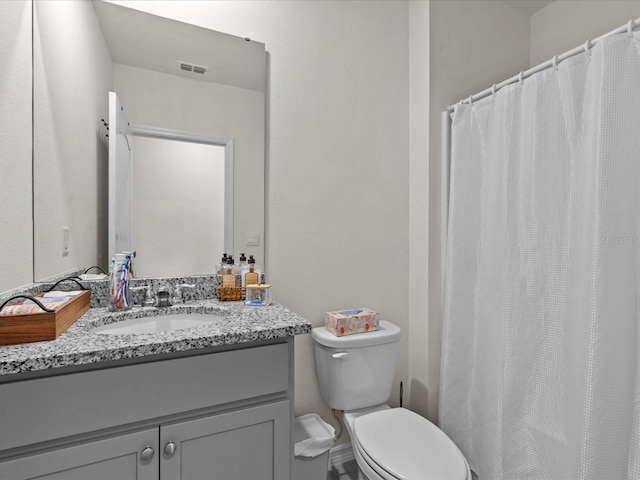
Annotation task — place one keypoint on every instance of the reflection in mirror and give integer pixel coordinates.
(120, 166)
(16, 263)
(168, 165)
(72, 71)
(194, 175)
(179, 183)
(82, 50)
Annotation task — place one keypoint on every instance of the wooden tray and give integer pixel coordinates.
(37, 327)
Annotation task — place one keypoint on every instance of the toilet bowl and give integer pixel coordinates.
(355, 374)
(396, 443)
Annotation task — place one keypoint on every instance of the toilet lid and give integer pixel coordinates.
(409, 446)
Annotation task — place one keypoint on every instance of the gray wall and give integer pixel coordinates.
(565, 24)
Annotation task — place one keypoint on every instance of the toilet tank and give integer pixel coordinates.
(356, 371)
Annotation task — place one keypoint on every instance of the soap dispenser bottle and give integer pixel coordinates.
(235, 269)
(242, 263)
(231, 267)
(257, 268)
(251, 277)
(229, 290)
(220, 267)
(243, 268)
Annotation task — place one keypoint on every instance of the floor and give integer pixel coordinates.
(344, 471)
(349, 471)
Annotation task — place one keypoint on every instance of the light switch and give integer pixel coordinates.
(253, 239)
(65, 241)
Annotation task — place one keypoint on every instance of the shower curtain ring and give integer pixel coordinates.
(554, 62)
(493, 90)
(630, 26)
(521, 77)
(470, 99)
(587, 47)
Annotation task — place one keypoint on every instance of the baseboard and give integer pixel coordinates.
(340, 454)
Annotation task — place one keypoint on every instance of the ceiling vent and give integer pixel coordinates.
(190, 67)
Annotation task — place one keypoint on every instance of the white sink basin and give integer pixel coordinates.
(157, 324)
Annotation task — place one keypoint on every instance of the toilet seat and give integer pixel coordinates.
(400, 444)
(372, 470)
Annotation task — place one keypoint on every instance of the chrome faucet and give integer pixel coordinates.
(163, 299)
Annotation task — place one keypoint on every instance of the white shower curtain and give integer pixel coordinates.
(541, 346)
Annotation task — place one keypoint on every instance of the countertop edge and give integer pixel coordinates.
(79, 346)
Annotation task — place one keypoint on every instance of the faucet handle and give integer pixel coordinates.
(138, 289)
(148, 300)
(178, 295)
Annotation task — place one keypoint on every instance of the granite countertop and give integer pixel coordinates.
(80, 346)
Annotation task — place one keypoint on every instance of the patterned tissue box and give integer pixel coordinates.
(348, 322)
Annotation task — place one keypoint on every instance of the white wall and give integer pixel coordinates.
(337, 156)
(474, 44)
(16, 259)
(71, 75)
(565, 24)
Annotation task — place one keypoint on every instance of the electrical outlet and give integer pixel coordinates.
(65, 241)
(253, 239)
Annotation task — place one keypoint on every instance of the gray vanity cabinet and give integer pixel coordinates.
(224, 415)
(245, 444)
(240, 445)
(106, 459)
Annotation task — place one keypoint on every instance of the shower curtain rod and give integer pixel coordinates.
(628, 27)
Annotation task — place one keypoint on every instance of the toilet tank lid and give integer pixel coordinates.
(387, 332)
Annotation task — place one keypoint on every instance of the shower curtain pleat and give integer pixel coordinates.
(541, 339)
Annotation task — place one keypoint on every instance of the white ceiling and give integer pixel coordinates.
(529, 6)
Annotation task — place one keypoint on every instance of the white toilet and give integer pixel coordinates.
(355, 374)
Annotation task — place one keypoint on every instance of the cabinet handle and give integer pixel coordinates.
(170, 448)
(147, 454)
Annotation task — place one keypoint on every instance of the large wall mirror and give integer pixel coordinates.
(167, 75)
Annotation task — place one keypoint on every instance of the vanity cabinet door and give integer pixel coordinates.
(120, 457)
(248, 444)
